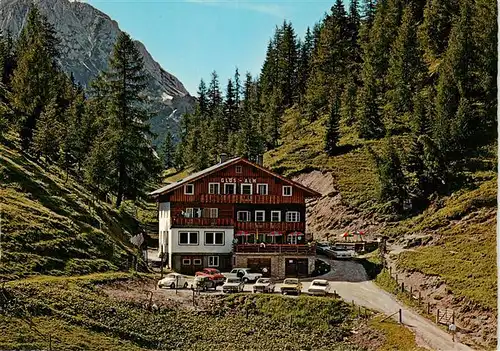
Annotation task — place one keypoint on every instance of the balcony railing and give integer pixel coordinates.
(252, 227)
(250, 199)
(276, 248)
(203, 222)
(270, 226)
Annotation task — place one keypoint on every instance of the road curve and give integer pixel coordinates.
(366, 293)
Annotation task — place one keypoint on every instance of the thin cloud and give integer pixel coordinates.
(270, 9)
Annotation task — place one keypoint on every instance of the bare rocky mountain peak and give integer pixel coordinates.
(87, 37)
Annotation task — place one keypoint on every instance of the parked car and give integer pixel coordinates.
(244, 274)
(264, 285)
(213, 274)
(173, 280)
(291, 286)
(319, 287)
(232, 285)
(203, 283)
(339, 254)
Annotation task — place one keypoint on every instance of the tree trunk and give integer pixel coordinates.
(121, 181)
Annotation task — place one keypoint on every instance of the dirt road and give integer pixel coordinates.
(345, 279)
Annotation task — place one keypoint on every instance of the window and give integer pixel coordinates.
(210, 213)
(243, 216)
(246, 189)
(287, 190)
(292, 216)
(189, 213)
(188, 238)
(186, 262)
(213, 188)
(189, 189)
(213, 261)
(229, 188)
(239, 169)
(214, 238)
(275, 216)
(262, 189)
(197, 261)
(260, 216)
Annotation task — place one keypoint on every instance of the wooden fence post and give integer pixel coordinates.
(437, 316)
(419, 298)
(400, 316)
(428, 308)
(411, 291)
(390, 271)
(453, 317)
(359, 311)
(396, 278)
(402, 287)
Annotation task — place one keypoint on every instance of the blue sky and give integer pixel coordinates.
(191, 38)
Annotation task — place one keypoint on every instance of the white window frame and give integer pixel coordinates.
(225, 188)
(290, 213)
(189, 212)
(239, 169)
(214, 212)
(197, 260)
(186, 187)
(279, 216)
(214, 241)
(189, 238)
(287, 187)
(246, 184)
(210, 189)
(267, 188)
(248, 216)
(213, 261)
(263, 216)
(186, 262)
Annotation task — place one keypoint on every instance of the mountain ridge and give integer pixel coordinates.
(87, 36)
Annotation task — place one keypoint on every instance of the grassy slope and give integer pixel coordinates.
(463, 226)
(54, 226)
(82, 317)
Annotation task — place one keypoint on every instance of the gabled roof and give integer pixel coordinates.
(198, 175)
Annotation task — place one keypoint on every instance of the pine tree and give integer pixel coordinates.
(214, 94)
(456, 87)
(370, 125)
(435, 29)
(332, 135)
(126, 79)
(348, 102)
(168, 150)
(99, 164)
(47, 136)
(34, 74)
(304, 65)
(405, 74)
(202, 98)
(392, 182)
(230, 109)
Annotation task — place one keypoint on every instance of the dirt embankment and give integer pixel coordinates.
(330, 215)
(477, 326)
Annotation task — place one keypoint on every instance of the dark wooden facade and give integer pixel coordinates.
(228, 205)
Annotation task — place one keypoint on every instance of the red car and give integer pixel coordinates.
(213, 274)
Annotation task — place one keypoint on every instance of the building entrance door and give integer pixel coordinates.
(296, 267)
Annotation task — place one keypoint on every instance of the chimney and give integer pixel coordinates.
(223, 157)
(259, 160)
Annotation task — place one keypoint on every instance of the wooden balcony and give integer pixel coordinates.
(250, 199)
(270, 226)
(251, 227)
(202, 222)
(276, 248)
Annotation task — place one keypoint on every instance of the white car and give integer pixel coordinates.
(319, 287)
(244, 274)
(233, 285)
(173, 280)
